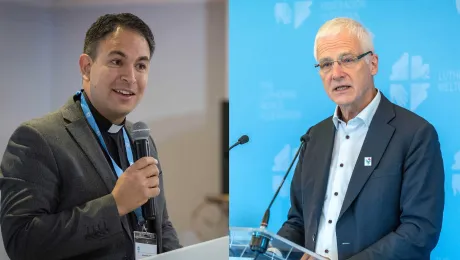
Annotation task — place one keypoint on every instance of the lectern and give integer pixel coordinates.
(261, 244)
(216, 249)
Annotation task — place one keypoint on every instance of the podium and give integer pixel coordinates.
(214, 249)
(260, 244)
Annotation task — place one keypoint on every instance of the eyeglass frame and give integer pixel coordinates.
(356, 59)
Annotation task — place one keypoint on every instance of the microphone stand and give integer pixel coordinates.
(260, 240)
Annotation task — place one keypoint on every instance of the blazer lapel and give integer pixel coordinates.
(374, 146)
(83, 135)
(81, 132)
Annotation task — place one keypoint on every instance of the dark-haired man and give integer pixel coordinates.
(70, 188)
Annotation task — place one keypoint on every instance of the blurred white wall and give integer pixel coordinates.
(39, 48)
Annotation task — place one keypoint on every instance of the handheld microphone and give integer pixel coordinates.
(140, 134)
(259, 241)
(242, 140)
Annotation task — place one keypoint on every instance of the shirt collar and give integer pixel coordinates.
(365, 115)
(103, 123)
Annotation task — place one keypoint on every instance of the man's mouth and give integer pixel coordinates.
(342, 87)
(124, 92)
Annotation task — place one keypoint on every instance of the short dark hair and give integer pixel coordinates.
(108, 23)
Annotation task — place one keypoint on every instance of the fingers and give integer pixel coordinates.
(307, 257)
(144, 162)
(152, 182)
(151, 193)
(152, 186)
(148, 172)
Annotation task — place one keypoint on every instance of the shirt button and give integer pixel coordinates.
(336, 193)
(326, 251)
(341, 165)
(330, 221)
(348, 137)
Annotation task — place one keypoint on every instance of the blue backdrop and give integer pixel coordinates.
(276, 93)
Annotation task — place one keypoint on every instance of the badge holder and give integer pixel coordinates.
(145, 244)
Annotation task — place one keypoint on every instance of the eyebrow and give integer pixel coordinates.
(340, 55)
(122, 54)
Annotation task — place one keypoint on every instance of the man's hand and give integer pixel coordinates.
(308, 257)
(136, 185)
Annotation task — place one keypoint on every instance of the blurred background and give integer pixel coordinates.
(185, 104)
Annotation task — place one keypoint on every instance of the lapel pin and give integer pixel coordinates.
(367, 161)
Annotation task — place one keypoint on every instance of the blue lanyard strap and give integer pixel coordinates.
(92, 123)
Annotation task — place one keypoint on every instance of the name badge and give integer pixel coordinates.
(145, 245)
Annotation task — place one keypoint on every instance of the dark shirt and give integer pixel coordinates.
(116, 146)
(114, 141)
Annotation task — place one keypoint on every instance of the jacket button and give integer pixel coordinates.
(313, 237)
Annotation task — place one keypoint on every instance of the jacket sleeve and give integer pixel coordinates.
(31, 226)
(422, 203)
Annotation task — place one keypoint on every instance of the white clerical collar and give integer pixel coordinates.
(114, 128)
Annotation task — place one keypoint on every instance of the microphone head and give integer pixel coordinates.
(243, 139)
(141, 131)
(305, 138)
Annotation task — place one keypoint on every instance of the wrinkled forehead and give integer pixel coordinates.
(334, 46)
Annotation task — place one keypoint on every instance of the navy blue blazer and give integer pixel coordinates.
(392, 209)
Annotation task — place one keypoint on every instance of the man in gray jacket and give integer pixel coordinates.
(69, 186)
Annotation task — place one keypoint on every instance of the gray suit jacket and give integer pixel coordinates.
(56, 202)
(392, 209)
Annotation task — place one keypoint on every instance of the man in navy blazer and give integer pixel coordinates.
(370, 182)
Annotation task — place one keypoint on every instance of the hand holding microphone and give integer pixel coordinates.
(136, 185)
(139, 184)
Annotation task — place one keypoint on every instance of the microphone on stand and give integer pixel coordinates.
(260, 241)
(242, 140)
(140, 134)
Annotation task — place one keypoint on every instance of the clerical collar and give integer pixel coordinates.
(103, 123)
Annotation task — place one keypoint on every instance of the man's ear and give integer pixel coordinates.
(85, 63)
(374, 64)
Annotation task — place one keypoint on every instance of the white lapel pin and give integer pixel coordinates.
(367, 161)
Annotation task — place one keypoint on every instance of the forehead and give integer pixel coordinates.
(128, 41)
(333, 46)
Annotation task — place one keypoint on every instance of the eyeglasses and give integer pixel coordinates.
(347, 60)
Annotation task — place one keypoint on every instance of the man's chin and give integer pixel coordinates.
(343, 101)
(120, 116)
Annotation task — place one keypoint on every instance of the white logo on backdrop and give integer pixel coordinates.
(284, 13)
(283, 159)
(456, 183)
(449, 80)
(340, 8)
(456, 176)
(276, 103)
(415, 75)
(281, 164)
